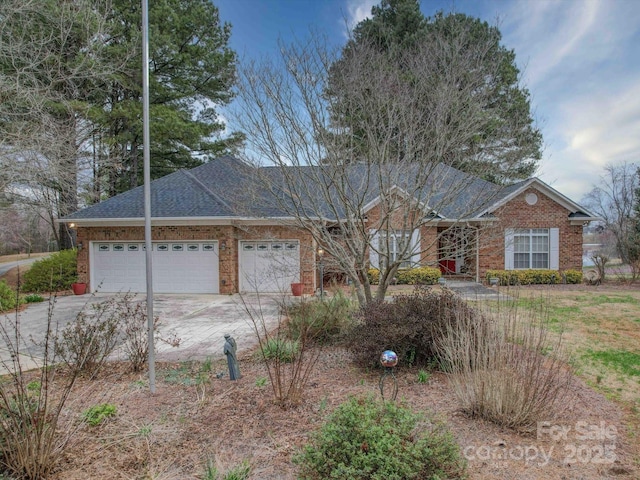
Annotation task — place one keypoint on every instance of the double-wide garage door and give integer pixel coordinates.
(269, 266)
(177, 267)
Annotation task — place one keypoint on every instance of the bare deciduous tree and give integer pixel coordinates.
(354, 206)
(613, 198)
(23, 230)
(50, 63)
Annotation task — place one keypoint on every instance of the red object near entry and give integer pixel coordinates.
(447, 266)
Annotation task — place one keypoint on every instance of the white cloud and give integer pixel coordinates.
(605, 129)
(590, 132)
(553, 37)
(357, 10)
(583, 71)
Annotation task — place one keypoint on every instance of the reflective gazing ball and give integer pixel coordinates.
(389, 358)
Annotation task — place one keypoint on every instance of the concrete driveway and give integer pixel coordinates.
(199, 321)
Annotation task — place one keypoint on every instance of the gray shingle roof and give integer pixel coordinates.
(214, 189)
(227, 187)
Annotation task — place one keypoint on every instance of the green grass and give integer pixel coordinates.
(627, 363)
(599, 331)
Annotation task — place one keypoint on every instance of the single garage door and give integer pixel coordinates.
(178, 267)
(269, 266)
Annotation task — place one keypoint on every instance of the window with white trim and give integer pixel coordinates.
(396, 242)
(531, 248)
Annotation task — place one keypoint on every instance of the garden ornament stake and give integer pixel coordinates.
(232, 359)
(389, 360)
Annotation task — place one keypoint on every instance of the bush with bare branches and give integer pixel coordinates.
(134, 324)
(288, 368)
(410, 326)
(85, 344)
(504, 366)
(33, 432)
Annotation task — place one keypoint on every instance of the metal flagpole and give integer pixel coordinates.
(147, 190)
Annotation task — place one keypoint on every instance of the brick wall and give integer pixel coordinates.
(227, 236)
(546, 213)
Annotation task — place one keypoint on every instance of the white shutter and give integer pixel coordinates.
(415, 248)
(508, 248)
(374, 258)
(554, 248)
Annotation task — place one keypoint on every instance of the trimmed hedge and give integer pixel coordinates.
(52, 274)
(572, 276)
(411, 276)
(374, 276)
(534, 277)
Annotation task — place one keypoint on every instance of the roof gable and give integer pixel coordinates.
(510, 192)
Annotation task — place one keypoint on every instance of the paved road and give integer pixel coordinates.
(5, 267)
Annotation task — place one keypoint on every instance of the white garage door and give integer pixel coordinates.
(178, 267)
(269, 266)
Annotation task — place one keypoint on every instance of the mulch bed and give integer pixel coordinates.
(172, 433)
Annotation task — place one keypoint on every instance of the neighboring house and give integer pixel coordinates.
(215, 231)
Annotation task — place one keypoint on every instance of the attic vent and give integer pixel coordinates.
(531, 198)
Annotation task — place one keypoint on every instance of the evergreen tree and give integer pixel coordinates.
(192, 71)
(507, 140)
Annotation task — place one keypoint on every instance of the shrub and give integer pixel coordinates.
(95, 415)
(85, 343)
(54, 273)
(525, 277)
(280, 349)
(34, 428)
(506, 370)
(374, 276)
(418, 276)
(288, 378)
(411, 276)
(134, 322)
(409, 326)
(367, 439)
(572, 276)
(9, 299)
(320, 321)
(33, 298)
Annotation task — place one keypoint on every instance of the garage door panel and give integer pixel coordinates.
(185, 268)
(178, 267)
(113, 263)
(269, 266)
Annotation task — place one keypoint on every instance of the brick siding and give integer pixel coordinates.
(546, 213)
(227, 236)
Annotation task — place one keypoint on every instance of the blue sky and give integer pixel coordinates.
(580, 59)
